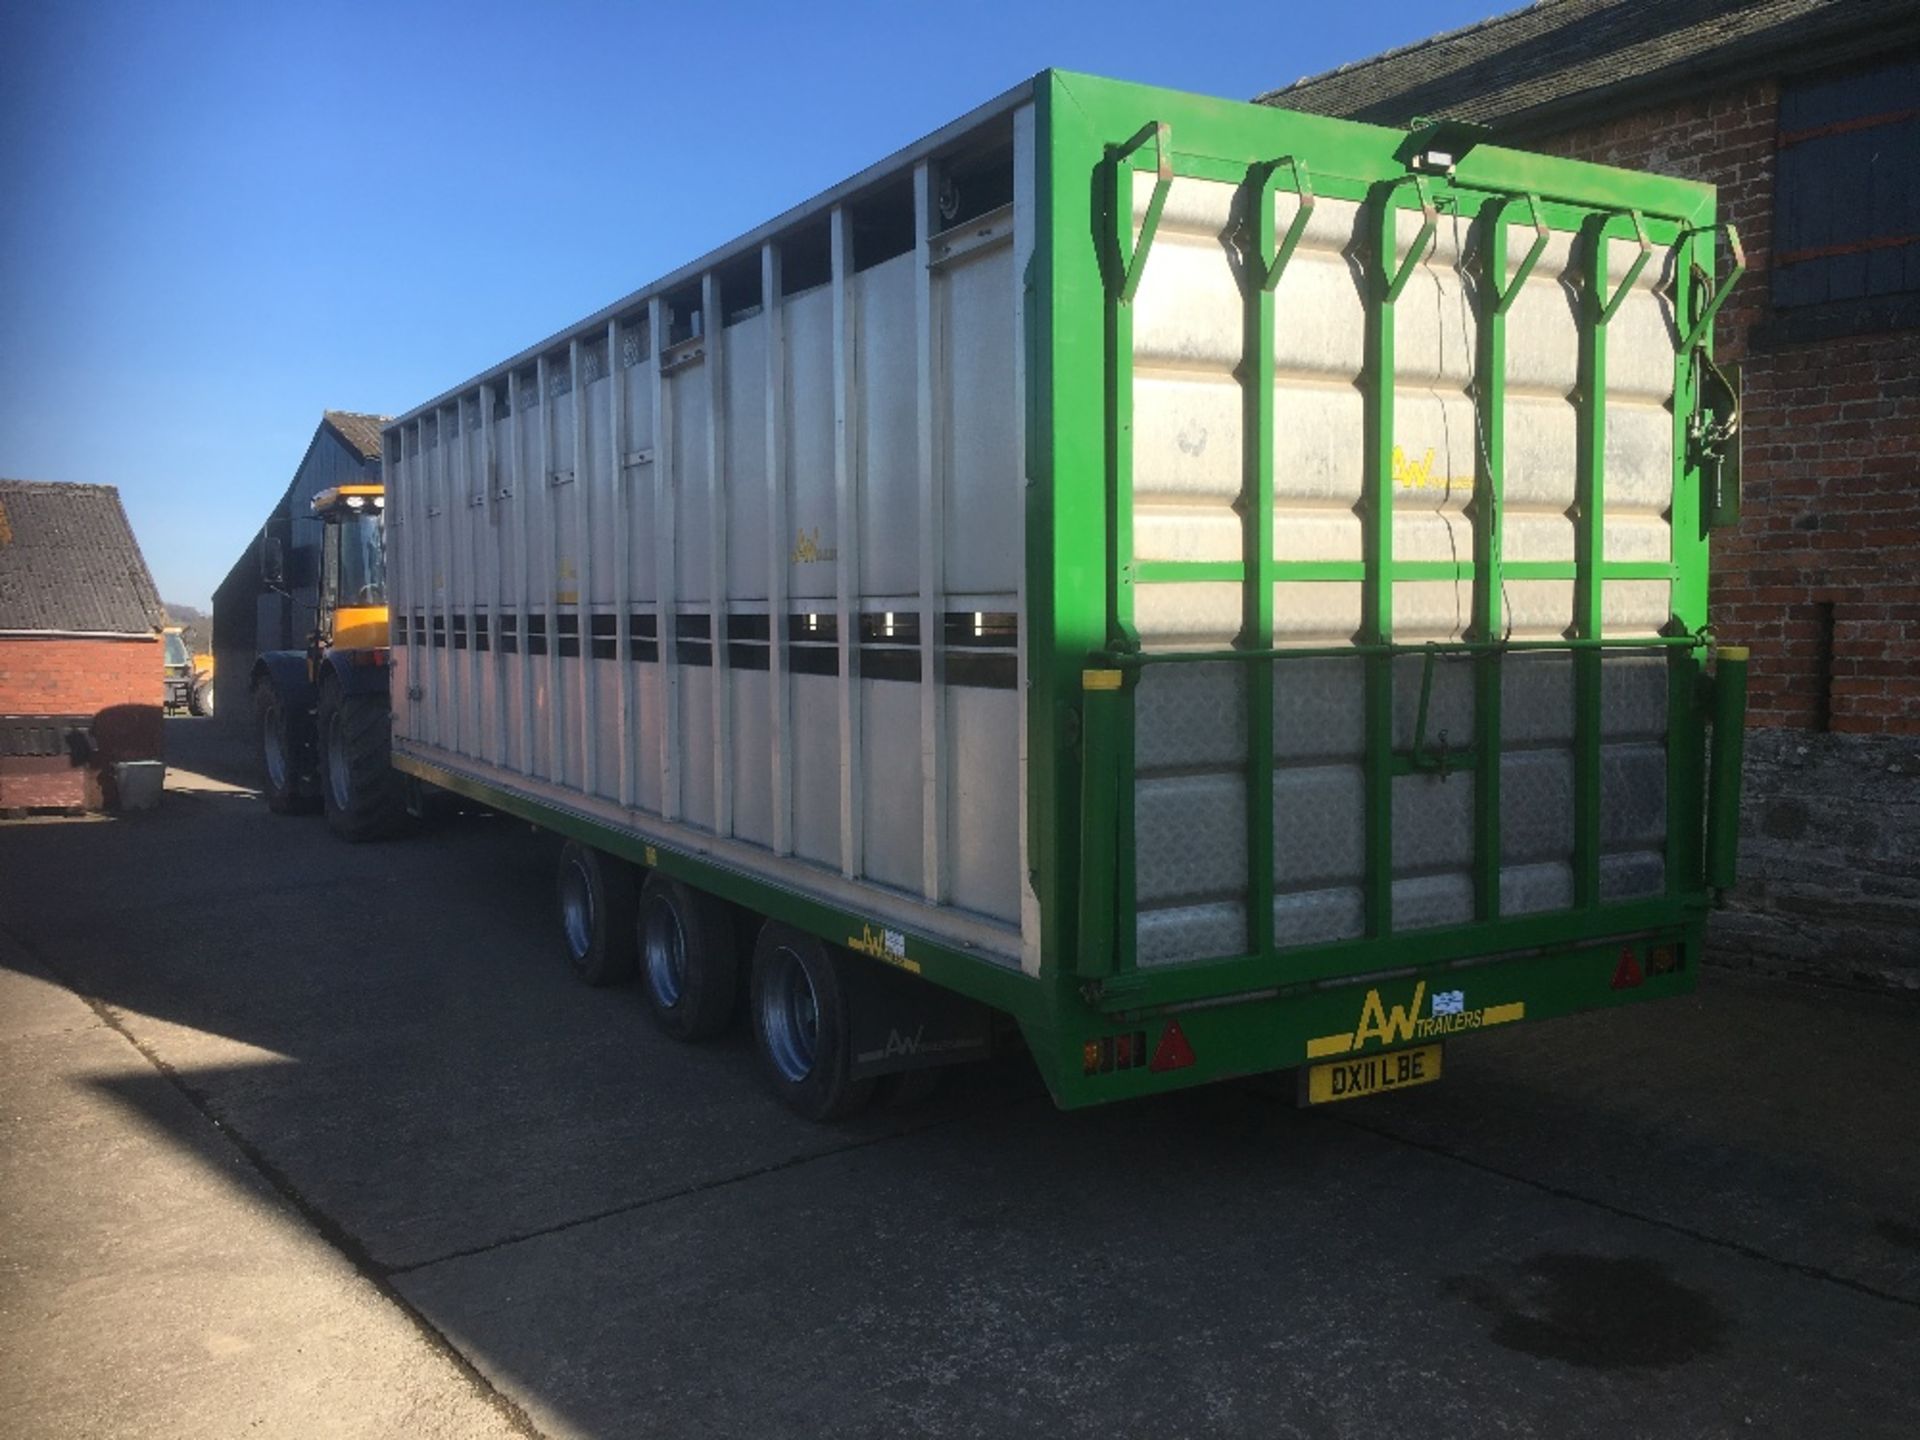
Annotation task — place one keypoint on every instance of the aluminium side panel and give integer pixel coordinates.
(617, 505)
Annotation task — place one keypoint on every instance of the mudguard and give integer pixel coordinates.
(286, 670)
(355, 672)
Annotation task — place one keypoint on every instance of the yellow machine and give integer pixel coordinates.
(323, 713)
(189, 677)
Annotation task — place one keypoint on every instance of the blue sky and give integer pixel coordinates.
(217, 220)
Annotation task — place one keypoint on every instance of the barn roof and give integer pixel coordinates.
(1564, 60)
(69, 562)
(361, 433)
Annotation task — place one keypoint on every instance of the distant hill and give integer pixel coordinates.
(195, 624)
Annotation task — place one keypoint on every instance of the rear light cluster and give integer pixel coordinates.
(1114, 1052)
(1129, 1052)
(1663, 959)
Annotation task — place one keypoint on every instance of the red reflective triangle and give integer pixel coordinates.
(1173, 1052)
(1628, 973)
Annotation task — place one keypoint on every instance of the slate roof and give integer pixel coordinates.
(360, 432)
(68, 561)
(1561, 61)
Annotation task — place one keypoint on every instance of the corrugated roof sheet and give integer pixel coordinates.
(68, 561)
(1558, 58)
(361, 432)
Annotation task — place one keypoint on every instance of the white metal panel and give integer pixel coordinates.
(653, 519)
(777, 451)
(745, 419)
(813, 527)
(887, 465)
(1188, 330)
(749, 756)
(930, 486)
(977, 300)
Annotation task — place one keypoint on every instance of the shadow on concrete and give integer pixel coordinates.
(217, 749)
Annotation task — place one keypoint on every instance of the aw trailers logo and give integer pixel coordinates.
(1382, 1024)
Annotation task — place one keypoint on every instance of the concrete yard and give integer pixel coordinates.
(305, 1139)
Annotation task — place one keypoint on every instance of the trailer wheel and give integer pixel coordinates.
(688, 962)
(359, 788)
(799, 1008)
(280, 774)
(598, 903)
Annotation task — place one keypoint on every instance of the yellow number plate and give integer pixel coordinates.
(1372, 1074)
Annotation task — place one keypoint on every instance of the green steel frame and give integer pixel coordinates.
(1102, 132)
(1269, 1008)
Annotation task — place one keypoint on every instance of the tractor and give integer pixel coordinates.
(322, 714)
(189, 677)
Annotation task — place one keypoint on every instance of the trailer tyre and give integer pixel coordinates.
(599, 900)
(798, 1002)
(689, 964)
(279, 758)
(362, 793)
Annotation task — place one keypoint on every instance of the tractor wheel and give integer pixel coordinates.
(363, 794)
(690, 967)
(279, 760)
(200, 701)
(599, 898)
(800, 1025)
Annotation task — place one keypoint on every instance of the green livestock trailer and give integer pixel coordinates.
(1224, 589)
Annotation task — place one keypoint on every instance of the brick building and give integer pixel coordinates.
(80, 647)
(1806, 115)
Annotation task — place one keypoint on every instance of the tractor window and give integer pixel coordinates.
(177, 649)
(363, 560)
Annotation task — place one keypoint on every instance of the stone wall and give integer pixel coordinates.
(1829, 860)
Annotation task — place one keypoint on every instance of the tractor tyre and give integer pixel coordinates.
(200, 700)
(800, 1025)
(279, 760)
(690, 965)
(599, 901)
(364, 796)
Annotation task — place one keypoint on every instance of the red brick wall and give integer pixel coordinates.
(1823, 577)
(118, 682)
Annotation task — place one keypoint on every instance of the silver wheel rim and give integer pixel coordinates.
(274, 752)
(790, 1016)
(339, 780)
(666, 947)
(576, 909)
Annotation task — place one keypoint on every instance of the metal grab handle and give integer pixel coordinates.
(1272, 267)
(1729, 721)
(1608, 307)
(1422, 243)
(1131, 253)
(1502, 299)
(1723, 287)
(1435, 762)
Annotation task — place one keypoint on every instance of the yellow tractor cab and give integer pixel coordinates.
(322, 716)
(353, 569)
